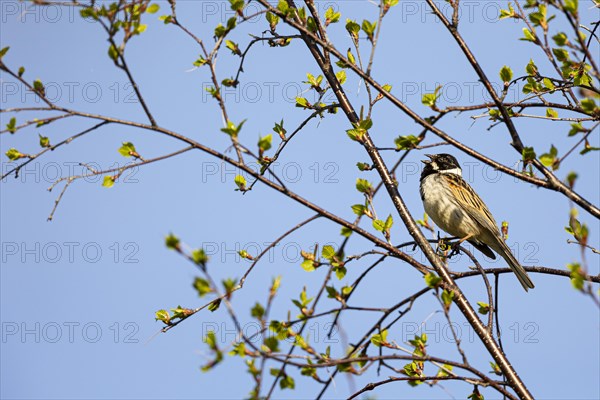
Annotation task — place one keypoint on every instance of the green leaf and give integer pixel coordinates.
(311, 25)
(538, 18)
(350, 57)
(340, 272)
(379, 225)
(172, 242)
(356, 134)
(233, 47)
(341, 76)
(328, 252)
(353, 28)
(560, 39)
(495, 368)
(561, 55)
(443, 371)
(388, 223)
(220, 31)
(113, 53)
(548, 84)
(264, 143)
(4, 51)
(271, 343)
(200, 62)
(407, 142)
(346, 290)
(432, 280)
(387, 4)
(364, 186)
(309, 371)
(589, 105)
(529, 36)
(484, 308)
(571, 6)
(369, 28)
(332, 293)
(211, 340)
(429, 99)
(200, 257)
(44, 141)
(301, 102)
(576, 127)
(283, 6)
(237, 5)
(14, 154)
(109, 181)
(531, 68)
(510, 13)
(272, 19)
(21, 71)
(308, 265)
(153, 8)
(232, 130)
(88, 12)
(166, 19)
(528, 155)
(257, 311)
(214, 306)
(181, 313)
(359, 209)
(38, 87)
(379, 339)
(346, 232)
(331, 17)
(577, 276)
(239, 349)
(229, 285)
(475, 395)
(582, 79)
(413, 369)
(506, 74)
(363, 166)
(287, 382)
(447, 297)
(12, 125)
(127, 149)
(494, 114)
(571, 178)
(240, 181)
(551, 113)
(202, 286)
(162, 315)
(141, 28)
(550, 159)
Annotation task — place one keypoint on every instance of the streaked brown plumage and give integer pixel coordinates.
(457, 209)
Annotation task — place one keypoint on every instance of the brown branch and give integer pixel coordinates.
(52, 148)
(561, 188)
(460, 299)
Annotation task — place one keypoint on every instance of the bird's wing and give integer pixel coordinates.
(471, 203)
(482, 247)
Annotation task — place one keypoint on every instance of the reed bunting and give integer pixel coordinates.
(455, 207)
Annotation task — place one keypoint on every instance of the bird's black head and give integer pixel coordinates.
(440, 163)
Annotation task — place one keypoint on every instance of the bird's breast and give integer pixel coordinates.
(444, 209)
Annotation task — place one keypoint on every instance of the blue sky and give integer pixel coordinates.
(78, 294)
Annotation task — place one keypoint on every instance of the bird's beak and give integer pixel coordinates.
(428, 161)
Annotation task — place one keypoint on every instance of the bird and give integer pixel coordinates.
(457, 209)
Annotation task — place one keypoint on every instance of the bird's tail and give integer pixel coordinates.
(515, 266)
